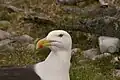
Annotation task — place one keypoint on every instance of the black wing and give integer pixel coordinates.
(18, 74)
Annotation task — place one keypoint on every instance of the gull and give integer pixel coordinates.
(55, 67)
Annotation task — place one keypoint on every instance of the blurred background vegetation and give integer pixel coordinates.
(38, 17)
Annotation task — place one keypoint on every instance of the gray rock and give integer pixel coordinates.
(103, 2)
(4, 47)
(94, 54)
(39, 18)
(116, 73)
(109, 44)
(108, 2)
(4, 35)
(13, 8)
(115, 59)
(91, 53)
(23, 39)
(101, 56)
(31, 47)
(68, 2)
(75, 50)
(5, 42)
(7, 49)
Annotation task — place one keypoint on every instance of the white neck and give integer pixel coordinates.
(55, 67)
(63, 56)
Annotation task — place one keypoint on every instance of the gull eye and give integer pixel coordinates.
(60, 35)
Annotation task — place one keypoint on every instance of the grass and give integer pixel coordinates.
(91, 70)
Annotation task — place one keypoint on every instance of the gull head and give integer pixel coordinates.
(56, 40)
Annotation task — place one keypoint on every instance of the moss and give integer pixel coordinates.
(5, 25)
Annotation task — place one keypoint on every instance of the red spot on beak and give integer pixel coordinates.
(40, 46)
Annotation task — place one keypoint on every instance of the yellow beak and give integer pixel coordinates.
(42, 43)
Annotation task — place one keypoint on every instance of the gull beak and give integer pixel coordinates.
(43, 43)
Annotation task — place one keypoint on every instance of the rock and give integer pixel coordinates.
(101, 56)
(23, 39)
(13, 8)
(91, 53)
(7, 49)
(68, 2)
(115, 59)
(116, 73)
(40, 18)
(103, 2)
(109, 44)
(4, 35)
(5, 42)
(70, 9)
(108, 2)
(94, 54)
(75, 50)
(104, 22)
(31, 47)
(116, 62)
(4, 45)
